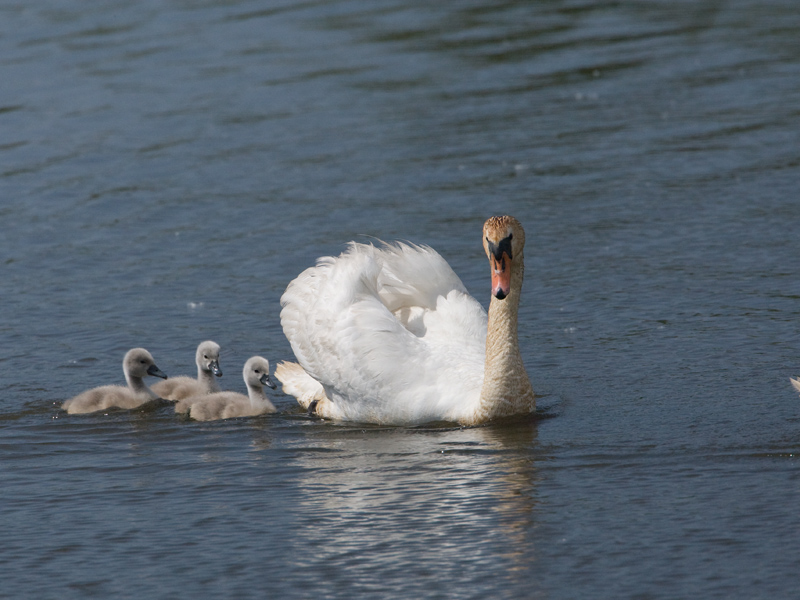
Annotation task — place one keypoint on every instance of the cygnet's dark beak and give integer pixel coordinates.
(156, 372)
(213, 366)
(265, 380)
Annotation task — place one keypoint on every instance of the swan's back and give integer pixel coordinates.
(181, 387)
(183, 405)
(228, 405)
(105, 397)
(221, 405)
(391, 333)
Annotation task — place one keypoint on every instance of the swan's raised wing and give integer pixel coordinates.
(414, 276)
(390, 333)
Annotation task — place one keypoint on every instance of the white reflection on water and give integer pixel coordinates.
(424, 501)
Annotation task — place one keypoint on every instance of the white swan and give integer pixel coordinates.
(178, 388)
(795, 383)
(390, 335)
(226, 405)
(137, 364)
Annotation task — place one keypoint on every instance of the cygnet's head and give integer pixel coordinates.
(207, 357)
(139, 363)
(503, 240)
(256, 372)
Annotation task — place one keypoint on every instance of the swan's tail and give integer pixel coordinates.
(795, 383)
(296, 382)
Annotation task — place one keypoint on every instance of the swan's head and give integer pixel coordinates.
(503, 240)
(256, 372)
(207, 357)
(139, 363)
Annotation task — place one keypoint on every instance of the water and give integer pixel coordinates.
(166, 168)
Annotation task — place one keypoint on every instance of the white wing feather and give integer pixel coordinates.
(391, 333)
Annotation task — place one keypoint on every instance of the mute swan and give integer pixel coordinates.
(390, 335)
(795, 383)
(137, 364)
(226, 405)
(178, 388)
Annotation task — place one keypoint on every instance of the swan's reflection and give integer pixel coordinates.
(416, 503)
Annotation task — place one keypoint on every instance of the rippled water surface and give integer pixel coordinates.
(166, 168)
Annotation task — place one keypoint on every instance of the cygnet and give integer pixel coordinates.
(137, 364)
(181, 387)
(226, 405)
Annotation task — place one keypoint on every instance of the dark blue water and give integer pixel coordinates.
(166, 168)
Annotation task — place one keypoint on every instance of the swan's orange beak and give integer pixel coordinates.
(500, 259)
(501, 276)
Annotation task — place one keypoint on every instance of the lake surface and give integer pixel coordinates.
(166, 168)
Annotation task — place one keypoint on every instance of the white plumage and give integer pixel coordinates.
(389, 335)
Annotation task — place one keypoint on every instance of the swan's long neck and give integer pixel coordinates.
(207, 379)
(138, 386)
(256, 395)
(506, 388)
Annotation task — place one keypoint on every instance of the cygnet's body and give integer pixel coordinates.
(181, 387)
(227, 405)
(137, 364)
